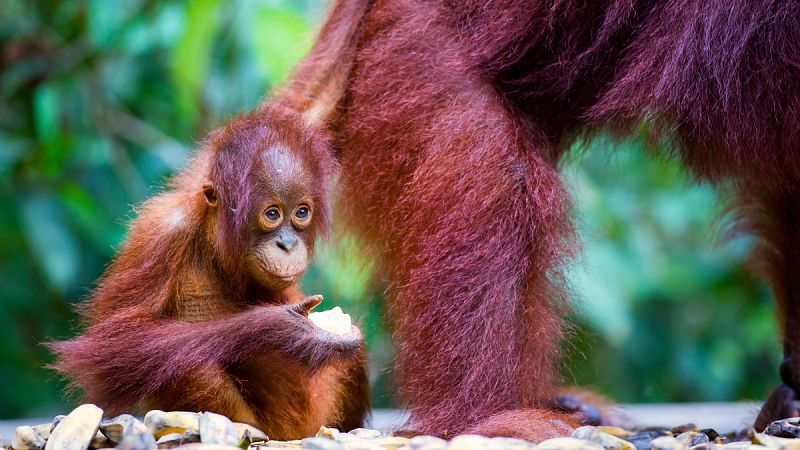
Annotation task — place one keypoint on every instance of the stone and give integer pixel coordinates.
(742, 445)
(322, 443)
(427, 443)
(776, 442)
(473, 442)
(101, 441)
(44, 429)
(217, 429)
(77, 430)
(173, 440)
(684, 428)
(201, 446)
(615, 431)
(607, 441)
(329, 433)
(568, 443)
(643, 440)
(27, 438)
(116, 427)
(128, 432)
(391, 442)
(712, 434)
(361, 444)
(160, 423)
(366, 433)
(280, 444)
(692, 438)
(245, 430)
(346, 437)
(787, 428)
(513, 443)
(56, 420)
(667, 443)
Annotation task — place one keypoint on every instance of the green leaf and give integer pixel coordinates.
(87, 216)
(280, 38)
(192, 54)
(51, 242)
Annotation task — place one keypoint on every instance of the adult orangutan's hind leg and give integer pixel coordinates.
(774, 216)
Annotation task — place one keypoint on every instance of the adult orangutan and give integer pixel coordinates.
(201, 309)
(450, 118)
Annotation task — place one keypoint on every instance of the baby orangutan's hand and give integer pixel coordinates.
(326, 336)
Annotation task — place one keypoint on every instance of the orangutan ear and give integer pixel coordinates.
(210, 194)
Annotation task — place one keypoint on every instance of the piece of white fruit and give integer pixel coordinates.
(333, 320)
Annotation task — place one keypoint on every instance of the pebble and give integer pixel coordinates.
(208, 447)
(776, 442)
(56, 420)
(160, 423)
(27, 438)
(692, 438)
(362, 444)
(365, 433)
(173, 440)
(246, 430)
(643, 440)
(712, 434)
(607, 441)
(513, 443)
(427, 443)
(329, 433)
(279, 444)
(787, 428)
(84, 429)
(680, 429)
(134, 433)
(76, 431)
(116, 428)
(666, 443)
(101, 441)
(391, 442)
(616, 431)
(322, 443)
(473, 442)
(568, 443)
(217, 429)
(734, 445)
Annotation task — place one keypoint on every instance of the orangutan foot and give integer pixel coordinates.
(781, 404)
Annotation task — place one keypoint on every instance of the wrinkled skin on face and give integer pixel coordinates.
(280, 227)
(282, 236)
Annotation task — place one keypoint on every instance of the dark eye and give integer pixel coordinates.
(302, 212)
(273, 214)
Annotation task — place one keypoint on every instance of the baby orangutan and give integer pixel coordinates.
(201, 309)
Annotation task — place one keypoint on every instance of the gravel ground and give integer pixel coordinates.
(723, 417)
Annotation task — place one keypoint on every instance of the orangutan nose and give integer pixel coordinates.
(287, 241)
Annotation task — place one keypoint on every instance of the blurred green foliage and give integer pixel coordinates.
(667, 309)
(100, 102)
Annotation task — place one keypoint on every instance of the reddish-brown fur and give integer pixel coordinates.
(450, 118)
(179, 323)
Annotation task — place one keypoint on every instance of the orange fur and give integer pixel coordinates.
(191, 314)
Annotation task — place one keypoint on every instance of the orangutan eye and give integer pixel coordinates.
(301, 217)
(273, 214)
(271, 219)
